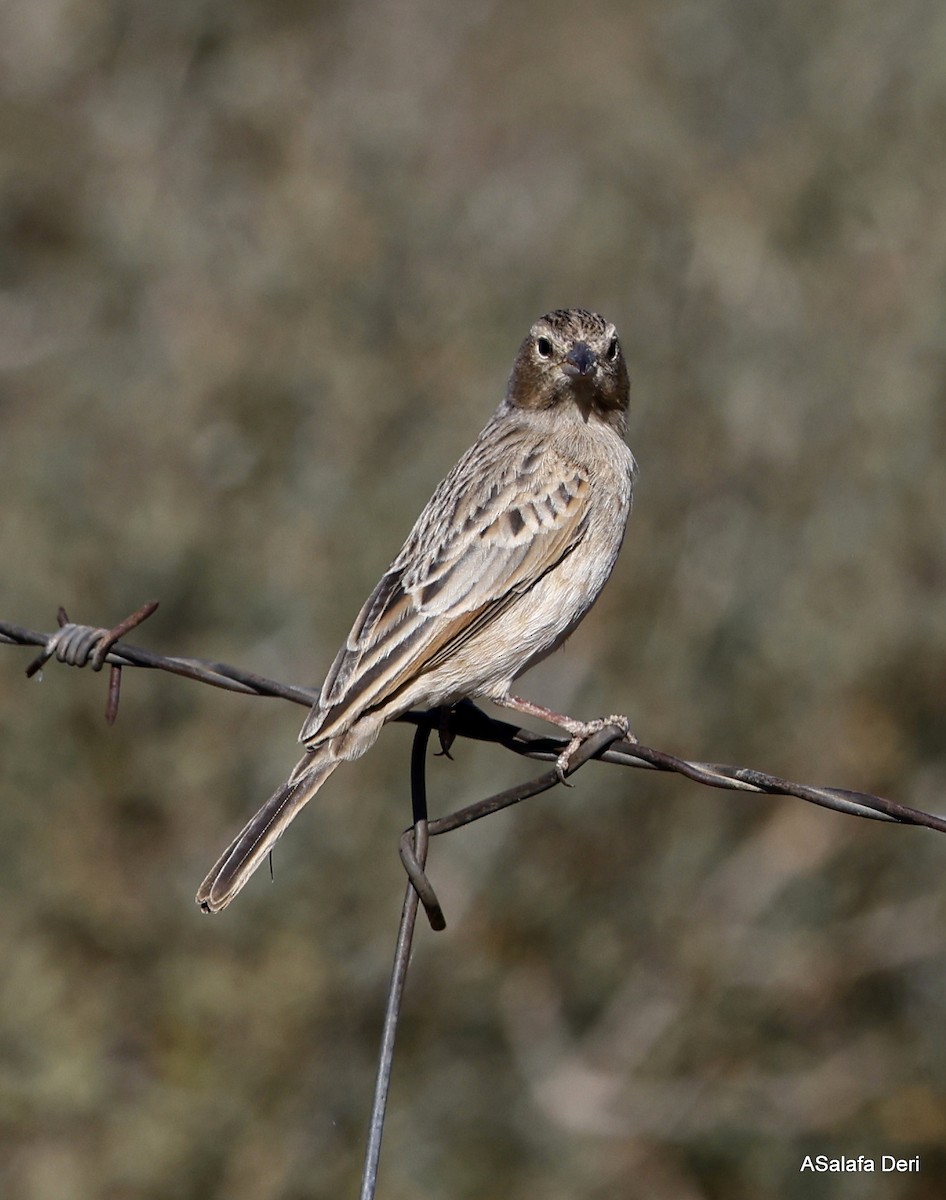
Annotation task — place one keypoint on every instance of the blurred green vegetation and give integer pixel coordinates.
(263, 269)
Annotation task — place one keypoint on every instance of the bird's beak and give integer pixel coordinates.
(580, 361)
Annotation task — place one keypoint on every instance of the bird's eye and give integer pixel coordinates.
(543, 347)
(612, 351)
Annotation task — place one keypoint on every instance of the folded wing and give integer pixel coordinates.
(473, 552)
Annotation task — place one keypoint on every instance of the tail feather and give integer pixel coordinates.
(259, 835)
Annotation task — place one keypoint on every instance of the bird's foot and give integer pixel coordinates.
(581, 731)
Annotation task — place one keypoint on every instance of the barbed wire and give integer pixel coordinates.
(85, 645)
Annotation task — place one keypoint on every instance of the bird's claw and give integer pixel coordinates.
(445, 732)
(581, 733)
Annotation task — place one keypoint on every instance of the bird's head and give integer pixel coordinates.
(571, 356)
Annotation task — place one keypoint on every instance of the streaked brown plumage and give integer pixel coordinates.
(509, 554)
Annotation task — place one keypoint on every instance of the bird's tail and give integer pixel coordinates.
(248, 849)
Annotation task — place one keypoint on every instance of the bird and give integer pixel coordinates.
(509, 554)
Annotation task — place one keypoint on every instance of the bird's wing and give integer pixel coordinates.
(505, 516)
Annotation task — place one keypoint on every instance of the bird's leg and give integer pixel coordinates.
(580, 730)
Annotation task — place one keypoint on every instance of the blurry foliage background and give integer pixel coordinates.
(263, 270)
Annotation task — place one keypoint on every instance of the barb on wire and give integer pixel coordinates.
(78, 645)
